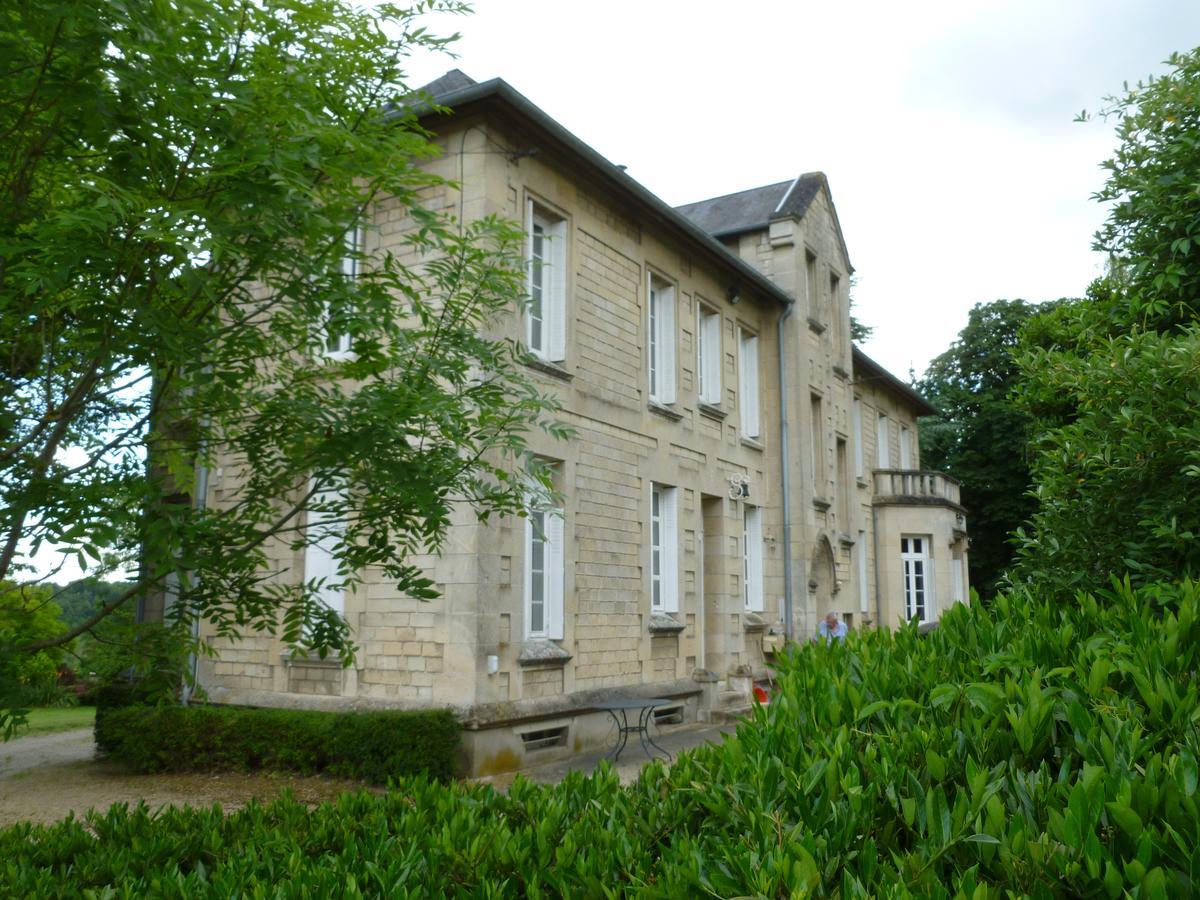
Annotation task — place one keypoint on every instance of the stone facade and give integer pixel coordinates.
(673, 551)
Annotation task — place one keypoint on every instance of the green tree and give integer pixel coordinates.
(1153, 228)
(177, 184)
(979, 433)
(1113, 381)
(27, 614)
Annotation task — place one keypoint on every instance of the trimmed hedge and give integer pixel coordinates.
(373, 746)
(1041, 747)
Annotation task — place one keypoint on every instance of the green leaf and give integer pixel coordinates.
(1127, 820)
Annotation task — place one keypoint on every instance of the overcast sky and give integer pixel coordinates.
(946, 128)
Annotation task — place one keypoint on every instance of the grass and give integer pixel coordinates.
(49, 720)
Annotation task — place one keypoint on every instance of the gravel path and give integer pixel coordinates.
(44, 779)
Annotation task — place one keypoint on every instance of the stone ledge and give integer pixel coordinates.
(754, 622)
(661, 623)
(549, 368)
(816, 326)
(710, 411)
(542, 653)
(665, 411)
(290, 659)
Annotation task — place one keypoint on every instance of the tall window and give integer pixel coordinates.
(325, 527)
(664, 549)
(546, 318)
(810, 284)
(858, 439)
(752, 556)
(835, 291)
(843, 488)
(817, 432)
(337, 340)
(544, 574)
(708, 363)
(748, 383)
(661, 335)
(914, 555)
(882, 439)
(905, 449)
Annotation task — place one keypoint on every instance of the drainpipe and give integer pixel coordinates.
(786, 462)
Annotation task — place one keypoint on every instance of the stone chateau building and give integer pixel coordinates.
(739, 468)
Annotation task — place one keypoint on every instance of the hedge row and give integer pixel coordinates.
(1039, 747)
(374, 746)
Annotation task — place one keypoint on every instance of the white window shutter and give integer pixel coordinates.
(554, 573)
(710, 342)
(556, 293)
(754, 559)
(667, 343)
(529, 247)
(670, 550)
(749, 398)
(320, 561)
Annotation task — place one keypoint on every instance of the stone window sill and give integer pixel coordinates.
(712, 412)
(752, 621)
(662, 623)
(752, 443)
(816, 326)
(333, 661)
(548, 368)
(665, 411)
(821, 503)
(542, 653)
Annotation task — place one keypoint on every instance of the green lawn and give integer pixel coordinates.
(59, 718)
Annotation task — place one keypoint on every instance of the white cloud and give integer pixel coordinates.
(945, 127)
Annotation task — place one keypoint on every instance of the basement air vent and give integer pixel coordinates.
(546, 737)
(668, 715)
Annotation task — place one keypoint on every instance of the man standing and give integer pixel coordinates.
(831, 628)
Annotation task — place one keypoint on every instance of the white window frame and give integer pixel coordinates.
(905, 448)
(752, 558)
(338, 346)
(748, 396)
(324, 532)
(664, 549)
(544, 531)
(883, 450)
(708, 355)
(546, 283)
(660, 337)
(917, 571)
(858, 438)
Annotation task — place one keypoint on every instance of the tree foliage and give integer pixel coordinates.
(979, 433)
(177, 183)
(1113, 380)
(1153, 228)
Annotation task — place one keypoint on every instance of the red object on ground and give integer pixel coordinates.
(760, 695)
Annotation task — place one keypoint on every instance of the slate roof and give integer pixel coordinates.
(454, 80)
(753, 209)
(541, 134)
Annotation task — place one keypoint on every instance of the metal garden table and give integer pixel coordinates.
(645, 709)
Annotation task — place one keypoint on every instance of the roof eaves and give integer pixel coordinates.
(877, 373)
(499, 89)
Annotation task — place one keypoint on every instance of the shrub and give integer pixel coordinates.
(1043, 746)
(374, 746)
